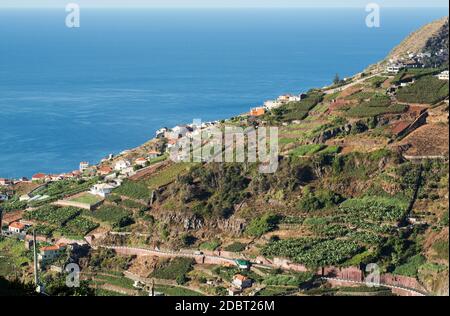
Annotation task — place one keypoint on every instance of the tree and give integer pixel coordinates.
(261, 225)
(337, 79)
(181, 279)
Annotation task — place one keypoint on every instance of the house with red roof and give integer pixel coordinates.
(39, 177)
(104, 170)
(51, 252)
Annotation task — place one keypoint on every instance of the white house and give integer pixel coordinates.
(241, 282)
(5, 182)
(141, 162)
(84, 165)
(443, 75)
(122, 164)
(394, 68)
(177, 132)
(160, 133)
(101, 189)
(16, 227)
(51, 252)
(271, 104)
(128, 171)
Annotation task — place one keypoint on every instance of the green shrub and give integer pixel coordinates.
(411, 267)
(210, 245)
(174, 269)
(288, 280)
(114, 215)
(235, 247)
(306, 150)
(319, 200)
(260, 226)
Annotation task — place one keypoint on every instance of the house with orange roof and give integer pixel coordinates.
(104, 170)
(51, 252)
(258, 111)
(17, 227)
(141, 162)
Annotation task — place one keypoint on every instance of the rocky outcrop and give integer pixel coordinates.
(232, 225)
(346, 129)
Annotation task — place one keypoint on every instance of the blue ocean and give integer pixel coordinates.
(69, 95)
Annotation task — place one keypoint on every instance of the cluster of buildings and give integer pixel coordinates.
(411, 60)
(172, 135)
(273, 104)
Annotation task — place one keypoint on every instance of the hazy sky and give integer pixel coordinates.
(222, 3)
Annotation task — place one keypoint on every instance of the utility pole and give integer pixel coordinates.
(36, 271)
(1, 222)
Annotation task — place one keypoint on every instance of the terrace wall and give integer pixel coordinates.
(77, 204)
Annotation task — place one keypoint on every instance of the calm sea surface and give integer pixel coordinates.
(68, 95)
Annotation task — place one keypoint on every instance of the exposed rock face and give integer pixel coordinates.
(342, 130)
(232, 225)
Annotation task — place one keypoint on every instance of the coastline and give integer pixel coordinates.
(149, 140)
(50, 128)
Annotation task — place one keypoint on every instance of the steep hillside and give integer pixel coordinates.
(430, 38)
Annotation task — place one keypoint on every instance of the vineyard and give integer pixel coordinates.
(53, 215)
(78, 227)
(63, 188)
(63, 220)
(313, 252)
(375, 208)
(116, 216)
(135, 190)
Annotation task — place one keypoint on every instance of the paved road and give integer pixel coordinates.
(341, 88)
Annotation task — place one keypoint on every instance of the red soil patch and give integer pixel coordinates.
(428, 140)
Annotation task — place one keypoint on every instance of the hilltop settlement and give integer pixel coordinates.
(362, 180)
